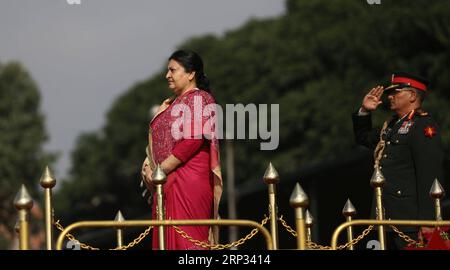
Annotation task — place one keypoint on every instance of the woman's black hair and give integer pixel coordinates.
(191, 61)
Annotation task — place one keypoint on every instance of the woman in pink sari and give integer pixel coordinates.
(182, 140)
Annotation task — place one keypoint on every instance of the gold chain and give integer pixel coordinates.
(136, 241)
(312, 245)
(411, 241)
(357, 239)
(219, 246)
(406, 237)
(288, 228)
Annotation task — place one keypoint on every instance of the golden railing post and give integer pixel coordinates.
(437, 193)
(159, 179)
(299, 200)
(348, 211)
(48, 181)
(119, 230)
(377, 181)
(309, 221)
(271, 178)
(23, 203)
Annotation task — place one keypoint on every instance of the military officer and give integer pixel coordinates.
(407, 150)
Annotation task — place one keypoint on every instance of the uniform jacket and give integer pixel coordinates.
(411, 160)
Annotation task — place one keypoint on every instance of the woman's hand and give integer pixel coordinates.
(146, 174)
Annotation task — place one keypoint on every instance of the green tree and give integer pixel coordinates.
(22, 135)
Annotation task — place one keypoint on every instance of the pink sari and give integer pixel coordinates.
(193, 190)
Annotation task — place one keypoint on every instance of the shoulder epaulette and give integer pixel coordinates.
(421, 112)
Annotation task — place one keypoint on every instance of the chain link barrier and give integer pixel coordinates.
(220, 246)
(405, 237)
(131, 244)
(444, 235)
(312, 245)
(408, 239)
(413, 242)
(287, 227)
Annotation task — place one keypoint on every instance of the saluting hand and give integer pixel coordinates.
(372, 99)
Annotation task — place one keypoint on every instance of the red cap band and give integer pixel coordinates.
(411, 82)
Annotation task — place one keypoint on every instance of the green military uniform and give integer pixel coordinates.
(410, 161)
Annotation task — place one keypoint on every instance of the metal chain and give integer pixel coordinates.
(312, 245)
(407, 238)
(288, 228)
(219, 246)
(136, 241)
(357, 239)
(419, 243)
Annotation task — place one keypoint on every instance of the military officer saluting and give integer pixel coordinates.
(407, 150)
